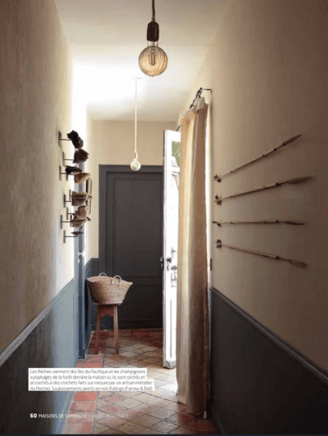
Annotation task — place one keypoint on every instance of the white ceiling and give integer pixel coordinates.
(106, 38)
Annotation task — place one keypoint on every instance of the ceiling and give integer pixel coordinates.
(106, 38)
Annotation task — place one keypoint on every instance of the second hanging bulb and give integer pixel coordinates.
(135, 164)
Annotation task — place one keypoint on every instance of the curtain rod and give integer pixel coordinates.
(197, 96)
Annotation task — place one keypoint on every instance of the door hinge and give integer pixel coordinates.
(211, 264)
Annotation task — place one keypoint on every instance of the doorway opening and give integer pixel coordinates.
(131, 241)
(170, 244)
(138, 240)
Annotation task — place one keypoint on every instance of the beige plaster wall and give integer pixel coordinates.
(268, 68)
(112, 142)
(34, 106)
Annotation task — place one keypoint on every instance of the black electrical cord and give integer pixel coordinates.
(153, 19)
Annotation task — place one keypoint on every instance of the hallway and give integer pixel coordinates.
(71, 65)
(132, 412)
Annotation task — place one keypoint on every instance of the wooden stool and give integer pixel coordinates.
(111, 310)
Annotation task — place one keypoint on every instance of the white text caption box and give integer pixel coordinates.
(89, 379)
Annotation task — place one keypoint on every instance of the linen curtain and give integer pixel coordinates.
(192, 300)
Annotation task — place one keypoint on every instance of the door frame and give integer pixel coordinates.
(103, 170)
(169, 292)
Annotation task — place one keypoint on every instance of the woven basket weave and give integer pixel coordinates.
(108, 290)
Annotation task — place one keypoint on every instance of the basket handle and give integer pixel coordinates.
(101, 274)
(119, 278)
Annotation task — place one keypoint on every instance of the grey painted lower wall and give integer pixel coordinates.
(51, 341)
(91, 269)
(259, 383)
(51, 344)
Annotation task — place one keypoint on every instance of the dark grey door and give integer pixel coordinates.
(131, 239)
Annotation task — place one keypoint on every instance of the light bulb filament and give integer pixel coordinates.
(152, 57)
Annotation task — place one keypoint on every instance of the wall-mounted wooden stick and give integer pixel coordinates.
(294, 223)
(259, 253)
(289, 141)
(294, 181)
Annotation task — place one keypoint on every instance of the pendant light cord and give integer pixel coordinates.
(135, 122)
(153, 19)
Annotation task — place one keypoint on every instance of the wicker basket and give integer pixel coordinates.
(108, 290)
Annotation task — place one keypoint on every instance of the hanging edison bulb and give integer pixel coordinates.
(153, 60)
(135, 165)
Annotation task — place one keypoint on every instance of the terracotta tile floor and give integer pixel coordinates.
(155, 412)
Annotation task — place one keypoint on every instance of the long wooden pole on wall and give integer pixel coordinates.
(289, 141)
(294, 223)
(260, 253)
(294, 181)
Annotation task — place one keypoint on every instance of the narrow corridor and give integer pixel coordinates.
(132, 412)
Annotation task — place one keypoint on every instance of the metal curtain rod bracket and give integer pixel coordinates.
(198, 95)
(259, 253)
(294, 223)
(294, 181)
(289, 141)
